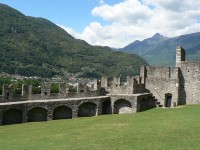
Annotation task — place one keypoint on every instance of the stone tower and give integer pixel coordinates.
(180, 55)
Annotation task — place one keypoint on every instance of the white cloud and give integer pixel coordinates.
(129, 11)
(138, 19)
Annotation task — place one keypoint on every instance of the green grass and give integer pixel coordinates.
(158, 128)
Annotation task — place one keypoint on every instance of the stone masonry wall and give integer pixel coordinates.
(43, 110)
(161, 81)
(190, 80)
(8, 94)
(133, 85)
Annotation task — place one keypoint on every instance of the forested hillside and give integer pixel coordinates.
(37, 47)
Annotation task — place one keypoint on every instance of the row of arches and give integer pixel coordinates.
(88, 109)
(14, 116)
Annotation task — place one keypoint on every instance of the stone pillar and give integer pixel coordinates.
(116, 82)
(129, 85)
(22, 89)
(104, 82)
(96, 85)
(136, 104)
(63, 89)
(50, 114)
(143, 74)
(99, 109)
(30, 91)
(45, 90)
(25, 116)
(112, 105)
(180, 55)
(7, 92)
(116, 86)
(74, 113)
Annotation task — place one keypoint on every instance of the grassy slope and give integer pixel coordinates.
(176, 128)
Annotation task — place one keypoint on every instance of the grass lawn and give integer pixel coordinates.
(176, 128)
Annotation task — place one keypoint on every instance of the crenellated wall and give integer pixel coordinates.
(26, 93)
(133, 85)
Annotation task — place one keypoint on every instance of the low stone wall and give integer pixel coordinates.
(43, 110)
(26, 97)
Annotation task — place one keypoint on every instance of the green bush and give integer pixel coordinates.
(54, 88)
(36, 90)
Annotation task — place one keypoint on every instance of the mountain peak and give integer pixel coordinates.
(157, 35)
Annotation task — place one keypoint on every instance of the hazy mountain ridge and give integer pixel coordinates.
(161, 51)
(35, 46)
(147, 42)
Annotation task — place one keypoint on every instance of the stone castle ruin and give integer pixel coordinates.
(174, 86)
(156, 86)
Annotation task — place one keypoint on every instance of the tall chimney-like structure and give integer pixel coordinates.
(180, 55)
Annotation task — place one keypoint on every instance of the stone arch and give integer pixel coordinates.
(122, 106)
(12, 116)
(87, 109)
(106, 107)
(62, 112)
(37, 114)
(168, 100)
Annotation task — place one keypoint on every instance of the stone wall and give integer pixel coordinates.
(161, 81)
(180, 83)
(8, 94)
(43, 110)
(190, 81)
(133, 85)
(189, 88)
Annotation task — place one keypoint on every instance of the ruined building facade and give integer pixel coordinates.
(174, 86)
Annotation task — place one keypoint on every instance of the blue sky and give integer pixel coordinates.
(73, 13)
(115, 23)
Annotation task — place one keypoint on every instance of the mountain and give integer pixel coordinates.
(137, 46)
(161, 51)
(37, 47)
